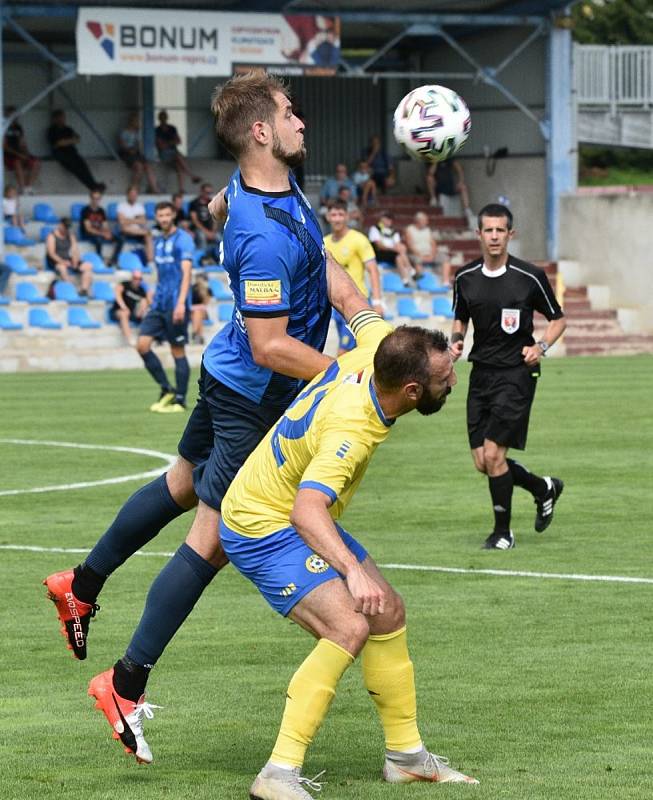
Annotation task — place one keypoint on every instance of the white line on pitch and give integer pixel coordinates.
(167, 457)
(500, 573)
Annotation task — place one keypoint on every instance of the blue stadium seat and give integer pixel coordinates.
(219, 290)
(112, 212)
(430, 283)
(442, 307)
(225, 312)
(101, 290)
(4, 301)
(99, 267)
(406, 307)
(79, 318)
(18, 265)
(76, 211)
(39, 318)
(7, 323)
(149, 209)
(43, 233)
(197, 258)
(14, 235)
(392, 283)
(66, 291)
(28, 293)
(43, 212)
(130, 261)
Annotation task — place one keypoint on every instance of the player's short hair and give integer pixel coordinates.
(495, 210)
(341, 205)
(165, 204)
(242, 101)
(404, 356)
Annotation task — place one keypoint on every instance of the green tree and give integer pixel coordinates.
(613, 21)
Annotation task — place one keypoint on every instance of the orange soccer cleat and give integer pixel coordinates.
(73, 614)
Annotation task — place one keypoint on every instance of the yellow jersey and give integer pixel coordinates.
(351, 252)
(324, 441)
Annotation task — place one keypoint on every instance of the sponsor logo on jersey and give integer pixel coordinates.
(316, 564)
(262, 293)
(510, 320)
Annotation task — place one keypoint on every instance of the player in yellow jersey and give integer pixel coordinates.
(353, 251)
(279, 529)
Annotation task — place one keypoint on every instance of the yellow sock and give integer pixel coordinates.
(389, 679)
(309, 696)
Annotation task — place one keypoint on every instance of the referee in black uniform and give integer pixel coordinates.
(499, 294)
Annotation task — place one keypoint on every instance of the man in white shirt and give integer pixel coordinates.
(423, 249)
(389, 248)
(133, 222)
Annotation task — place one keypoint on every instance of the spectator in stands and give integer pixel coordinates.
(445, 182)
(5, 274)
(181, 219)
(355, 217)
(200, 296)
(167, 142)
(11, 208)
(17, 156)
(131, 304)
(331, 186)
(380, 164)
(62, 256)
(131, 152)
(63, 141)
(94, 228)
(133, 222)
(202, 224)
(389, 248)
(365, 186)
(423, 249)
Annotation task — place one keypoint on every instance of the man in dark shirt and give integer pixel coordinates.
(167, 141)
(63, 141)
(202, 223)
(130, 305)
(94, 227)
(499, 293)
(16, 155)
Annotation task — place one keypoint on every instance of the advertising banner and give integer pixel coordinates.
(194, 43)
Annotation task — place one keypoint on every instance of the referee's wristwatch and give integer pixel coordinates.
(543, 346)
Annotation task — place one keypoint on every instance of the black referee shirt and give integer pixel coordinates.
(500, 305)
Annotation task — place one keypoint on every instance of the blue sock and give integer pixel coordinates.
(155, 368)
(182, 376)
(170, 600)
(139, 520)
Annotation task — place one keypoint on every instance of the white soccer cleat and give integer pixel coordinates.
(276, 783)
(423, 766)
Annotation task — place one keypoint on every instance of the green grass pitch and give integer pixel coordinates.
(539, 687)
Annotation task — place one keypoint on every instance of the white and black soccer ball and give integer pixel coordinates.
(431, 123)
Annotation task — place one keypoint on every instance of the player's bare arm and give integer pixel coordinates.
(343, 292)
(179, 311)
(372, 269)
(273, 348)
(218, 207)
(313, 522)
(458, 331)
(553, 332)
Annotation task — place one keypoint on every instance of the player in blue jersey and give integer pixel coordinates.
(170, 312)
(284, 286)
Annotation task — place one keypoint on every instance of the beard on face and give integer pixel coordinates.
(430, 404)
(290, 159)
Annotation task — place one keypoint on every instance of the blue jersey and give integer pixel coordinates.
(169, 252)
(273, 252)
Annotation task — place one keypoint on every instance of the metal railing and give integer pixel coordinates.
(614, 76)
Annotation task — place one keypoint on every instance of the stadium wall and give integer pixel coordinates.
(610, 238)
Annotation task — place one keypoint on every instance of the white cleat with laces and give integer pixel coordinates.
(276, 783)
(423, 766)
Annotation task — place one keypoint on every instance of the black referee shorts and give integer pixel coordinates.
(222, 430)
(499, 405)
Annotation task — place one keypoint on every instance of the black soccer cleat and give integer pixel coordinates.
(545, 505)
(499, 541)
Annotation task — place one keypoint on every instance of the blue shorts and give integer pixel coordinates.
(222, 430)
(159, 325)
(281, 565)
(346, 339)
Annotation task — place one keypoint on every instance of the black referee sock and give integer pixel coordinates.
(130, 679)
(501, 494)
(527, 480)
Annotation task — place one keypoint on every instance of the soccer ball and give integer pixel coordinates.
(432, 123)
